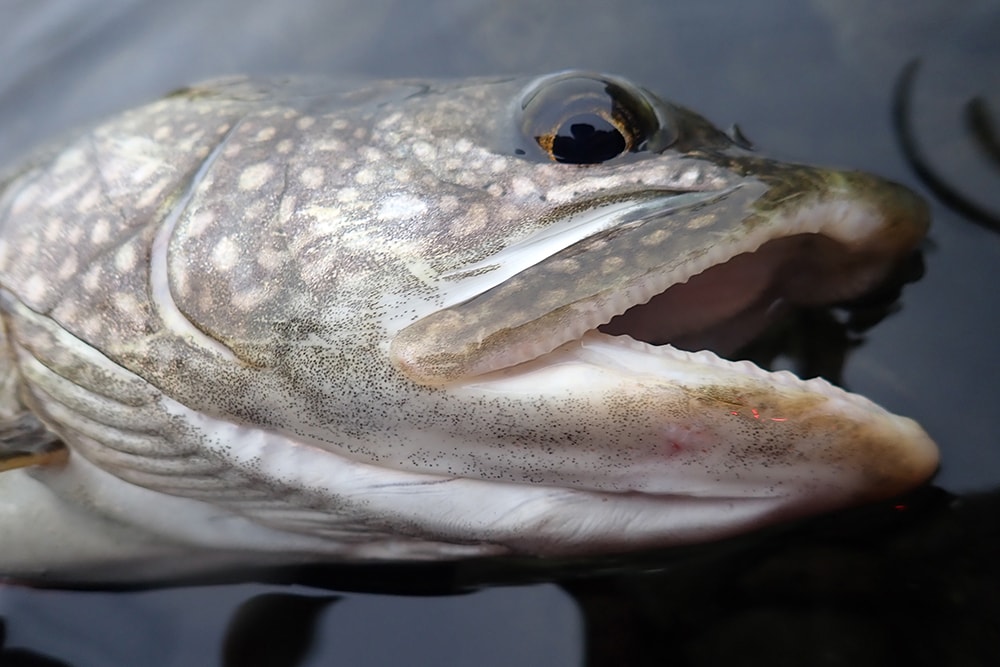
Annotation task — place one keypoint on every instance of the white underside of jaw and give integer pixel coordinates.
(362, 511)
(468, 516)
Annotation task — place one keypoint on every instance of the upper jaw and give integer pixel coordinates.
(796, 232)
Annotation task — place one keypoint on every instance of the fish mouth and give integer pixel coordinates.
(682, 272)
(598, 322)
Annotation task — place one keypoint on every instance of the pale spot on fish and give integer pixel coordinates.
(53, 229)
(270, 260)
(364, 176)
(256, 176)
(70, 160)
(287, 208)
(523, 187)
(328, 221)
(163, 132)
(313, 177)
(700, 221)
(29, 247)
(473, 221)
(74, 234)
(88, 200)
(568, 266)
(68, 311)
(371, 155)
(34, 288)
(347, 195)
(125, 258)
(92, 278)
(612, 264)
(179, 283)
(153, 193)
(225, 254)
(200, 221)
(570, 192)
(689, 178)
(144, 171)
(92, 326)
(285, 146)
(266, 133)
(424, 151)
(401, 207)
(129, 306)
(305, 122)
(68, 190)
(249, 299)
(329, 145)
(101, 232)
(315, 273)
(255, 210)
(462, 146)
(402, 175)
(655, 238)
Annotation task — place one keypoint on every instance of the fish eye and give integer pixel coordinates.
(581, 119)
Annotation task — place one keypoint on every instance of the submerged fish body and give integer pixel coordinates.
(291, 320)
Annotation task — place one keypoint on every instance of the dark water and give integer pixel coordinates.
(809, 81)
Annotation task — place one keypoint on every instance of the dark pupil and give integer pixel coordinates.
(587, 139)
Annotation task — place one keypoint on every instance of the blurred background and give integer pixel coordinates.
(808, 81)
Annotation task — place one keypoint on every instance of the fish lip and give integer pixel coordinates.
(496, 316)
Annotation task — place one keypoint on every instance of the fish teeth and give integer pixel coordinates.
(744, 367)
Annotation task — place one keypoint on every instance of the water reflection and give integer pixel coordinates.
(908, 582)
(981, 125)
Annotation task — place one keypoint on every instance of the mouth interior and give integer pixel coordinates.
(730, 304)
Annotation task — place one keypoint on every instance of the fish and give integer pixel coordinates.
(293, 320)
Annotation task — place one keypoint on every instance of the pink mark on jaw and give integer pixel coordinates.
(678, 440)
(669, 449)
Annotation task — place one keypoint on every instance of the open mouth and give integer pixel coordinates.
(695, 272)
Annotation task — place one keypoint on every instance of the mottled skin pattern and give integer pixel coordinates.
(202, 295)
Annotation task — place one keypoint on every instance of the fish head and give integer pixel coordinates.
(633, 224)
(434, 319)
